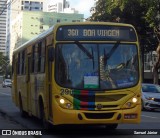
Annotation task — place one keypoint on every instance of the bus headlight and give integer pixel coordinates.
(134, 100)
(63, 102)
(131, 103)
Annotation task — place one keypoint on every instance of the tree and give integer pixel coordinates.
(140, 13)
(153, 18)
(5, 68)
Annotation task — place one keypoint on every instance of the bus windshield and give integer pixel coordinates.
(96, 66)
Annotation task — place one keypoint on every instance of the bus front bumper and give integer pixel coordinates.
(64, 116)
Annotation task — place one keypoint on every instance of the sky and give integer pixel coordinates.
(83, 6)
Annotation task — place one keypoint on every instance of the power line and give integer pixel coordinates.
(7, 5)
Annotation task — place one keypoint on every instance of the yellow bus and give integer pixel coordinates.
(80, 73)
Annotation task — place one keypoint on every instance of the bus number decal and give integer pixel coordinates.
(72, 32)
(66, 92)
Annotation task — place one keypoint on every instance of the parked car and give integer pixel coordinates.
(150, 96)
(7, 83)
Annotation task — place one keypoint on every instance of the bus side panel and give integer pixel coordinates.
(33, 94)
(37, 88)
(22, 90)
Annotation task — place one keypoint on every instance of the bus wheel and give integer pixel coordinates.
(45, 124)
(111, 126)
(22, 112)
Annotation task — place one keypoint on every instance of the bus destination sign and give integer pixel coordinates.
(95, 33)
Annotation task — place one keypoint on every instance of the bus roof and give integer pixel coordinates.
(50, 30)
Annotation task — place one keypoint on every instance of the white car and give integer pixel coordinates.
(150, 96)
(7, 83)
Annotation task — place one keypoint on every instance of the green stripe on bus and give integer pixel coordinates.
(76, 102)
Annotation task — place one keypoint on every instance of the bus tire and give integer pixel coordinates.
(111, 126)
(45, 124)
(22, 112)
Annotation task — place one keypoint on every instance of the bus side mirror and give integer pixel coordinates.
(51, 54)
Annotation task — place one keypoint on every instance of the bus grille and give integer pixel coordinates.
(88, 100)
(99, 115)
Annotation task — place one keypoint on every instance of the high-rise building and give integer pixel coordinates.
(31, 17)
(28, 25)
(56, 6)
(3, 25)
(25, 5)
(8, 28)
(16, 9)
(60, 6)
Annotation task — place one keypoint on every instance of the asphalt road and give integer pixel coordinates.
(150, 123)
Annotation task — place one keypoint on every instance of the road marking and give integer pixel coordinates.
(148, 116)
(5, 94)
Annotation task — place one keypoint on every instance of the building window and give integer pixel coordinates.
(75, 20)
(37, 8)
(41, 27)
(26, 7)
(41, 19)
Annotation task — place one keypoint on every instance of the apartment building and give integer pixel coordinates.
(29, 24)
(3, 26)
(16, 9)
(60, 6)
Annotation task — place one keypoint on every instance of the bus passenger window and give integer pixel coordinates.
(33, 56)
(36, 58)
(42, 57)
(18, 64)
(23, 61)
(39, 56)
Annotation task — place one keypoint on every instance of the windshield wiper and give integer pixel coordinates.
(88, 54)
(84, 49)
(108, 55)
